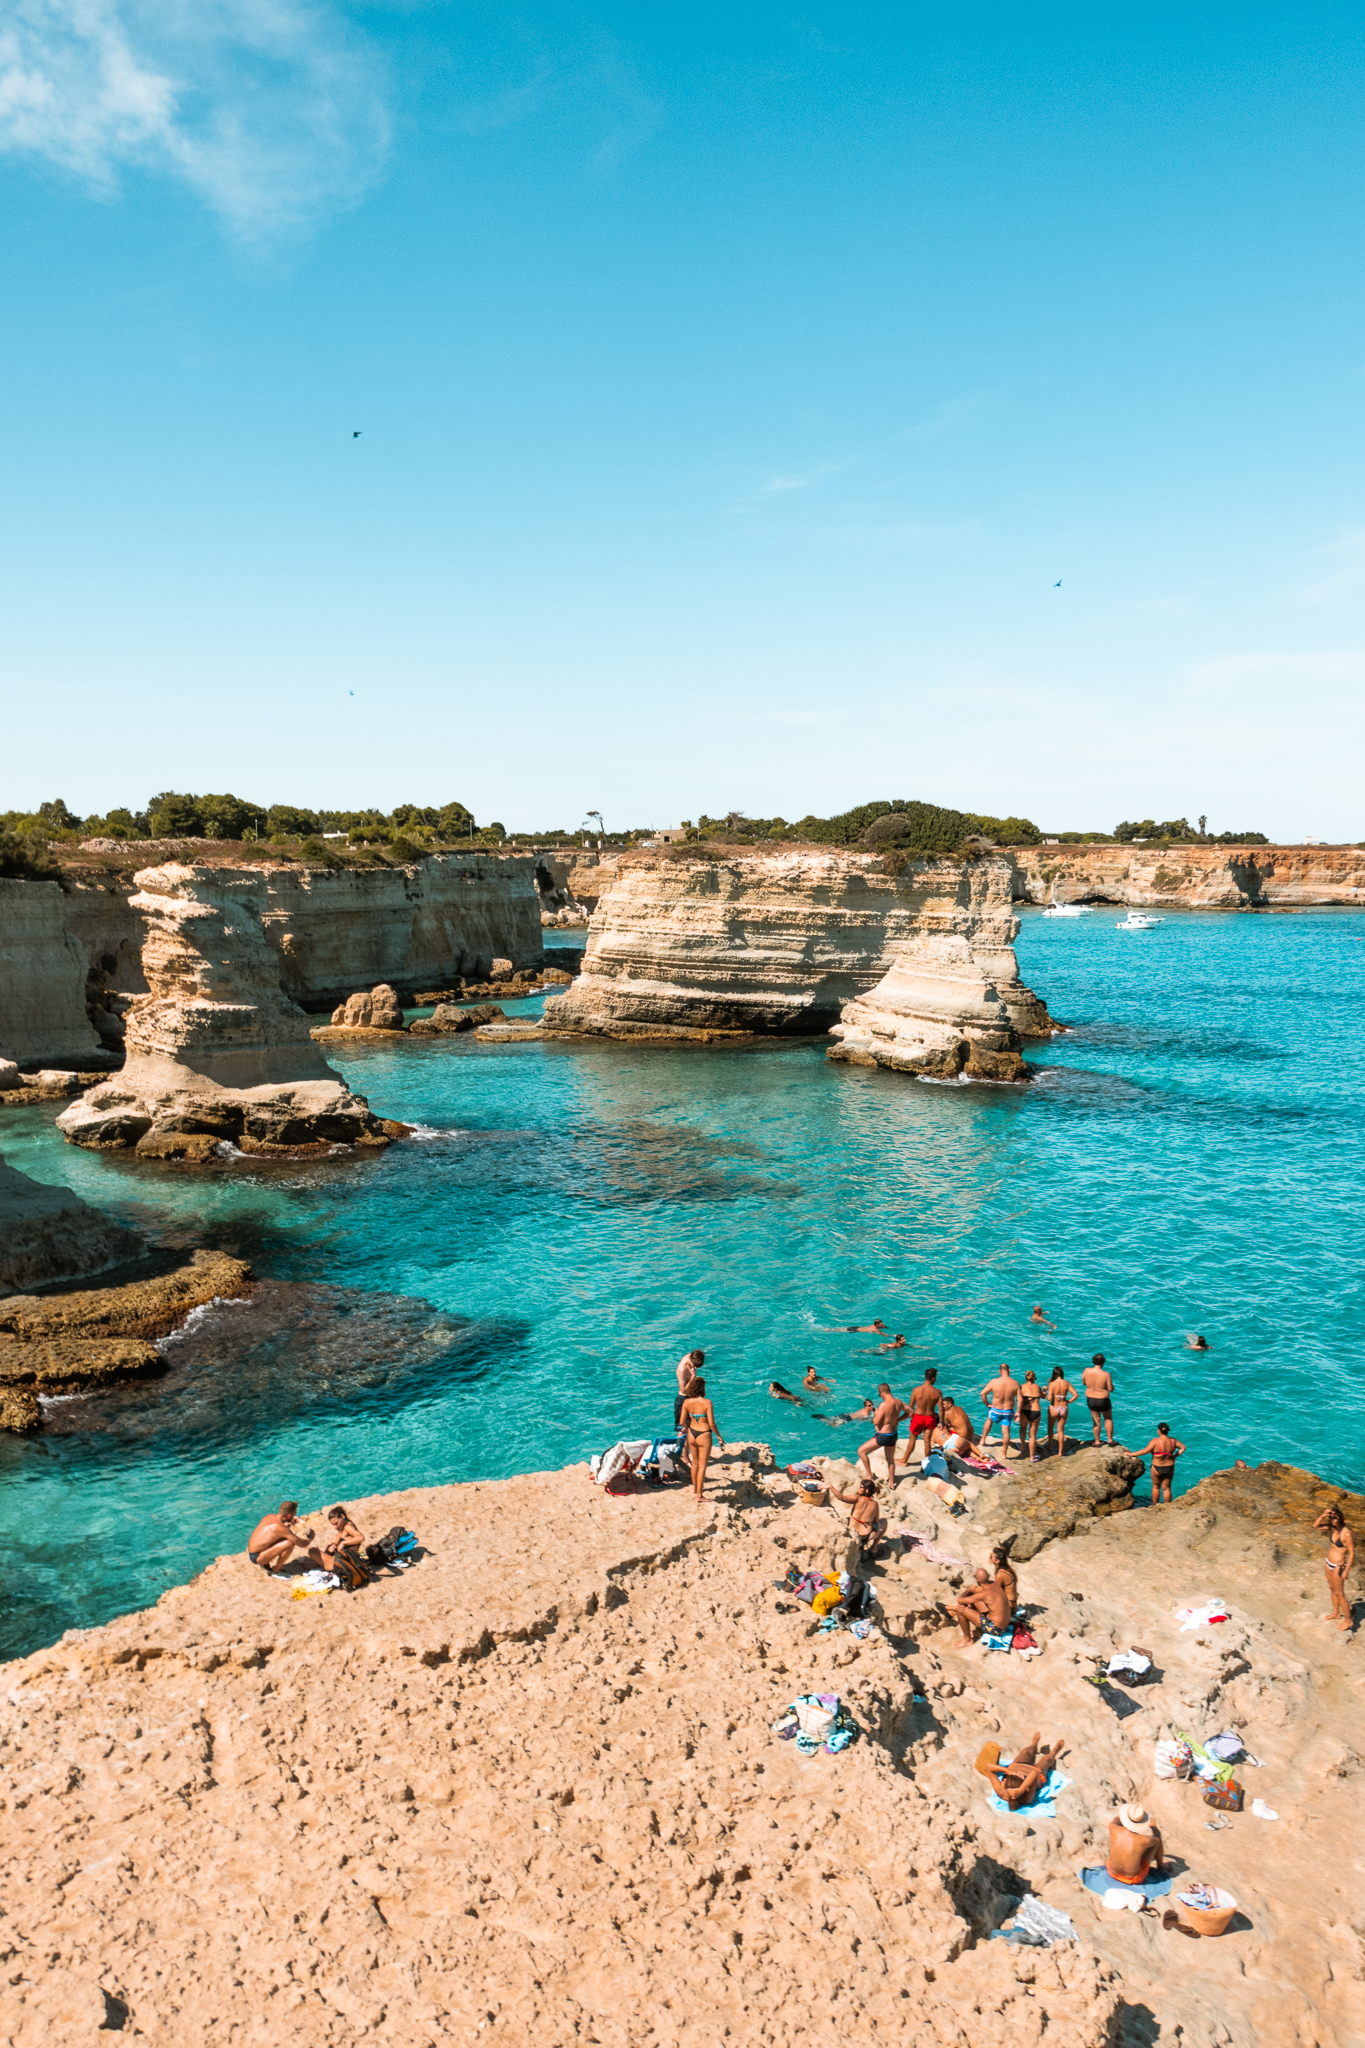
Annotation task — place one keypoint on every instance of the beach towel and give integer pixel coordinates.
(1044, 1801)
(1201, 1617)
(1004, 1641)
(1098, 1880)
(990, 1468)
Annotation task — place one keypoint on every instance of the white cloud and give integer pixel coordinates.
(271, 110)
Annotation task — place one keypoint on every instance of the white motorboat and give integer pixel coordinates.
(1137, 921)
(1056, 909)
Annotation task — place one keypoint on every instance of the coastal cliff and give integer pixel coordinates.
(532, 1788)
(42, 979)
(938, 1009)
(1192, 877)
(215, 1050)
(774, 940)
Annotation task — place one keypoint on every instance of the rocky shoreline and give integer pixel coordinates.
(1192, 877)
(531, 1789)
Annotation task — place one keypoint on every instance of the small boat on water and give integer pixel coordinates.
(1137, 921)
(1056, 909)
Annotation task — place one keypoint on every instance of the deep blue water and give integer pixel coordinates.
(513, 1291)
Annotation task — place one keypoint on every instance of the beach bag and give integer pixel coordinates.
(813, 1719)
(1227, 1797)
(351, 1572)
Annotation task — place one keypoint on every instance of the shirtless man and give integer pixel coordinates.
(1039, 1317)
(863, 1414)
(1198, 1344)
(1024, 1775)
(985, 1602)
(689, 1365)
(959, 1422)
(877, 1329)
(1000, 1397)
(1135, 1850)
(1163, 1451)
(1099, 1395)
(894, 1344)
(886, 1424)
(275, 1538)
(925, 1403)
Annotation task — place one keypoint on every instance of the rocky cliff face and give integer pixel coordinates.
(215, 1049)
(1192, 877)
(939, 1009)
(42, 979)
(415, 928)
(50, 1234)
(768, 941)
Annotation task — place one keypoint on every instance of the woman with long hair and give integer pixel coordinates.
(698, 1418)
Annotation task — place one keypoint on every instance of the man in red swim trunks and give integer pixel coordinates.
(925, 1403)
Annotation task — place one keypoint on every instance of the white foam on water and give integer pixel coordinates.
(430, 1131)
(197, 1315)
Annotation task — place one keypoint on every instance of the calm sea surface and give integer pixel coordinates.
(512, 1290)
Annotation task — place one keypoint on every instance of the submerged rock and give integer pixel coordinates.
(49, 1233)
(449, 1017)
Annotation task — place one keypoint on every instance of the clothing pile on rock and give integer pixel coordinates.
(1017, 1637)
(651, 1458)
(837, 1596)
(1036, 1925)
(815, 1721)
(1206, 1616)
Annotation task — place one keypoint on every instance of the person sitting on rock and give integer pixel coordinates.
(866, 1523)
(984, 1603)
(1026, 1773)
(1135, 1850)
(276, 1537)
(1005, 1574)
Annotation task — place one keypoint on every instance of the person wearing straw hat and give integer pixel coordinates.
(1135, 1851)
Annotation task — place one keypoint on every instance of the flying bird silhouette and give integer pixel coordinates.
(356, 433)
(1058, 584)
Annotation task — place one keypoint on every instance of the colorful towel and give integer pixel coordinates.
(1098, 1879)
(1044, 1801)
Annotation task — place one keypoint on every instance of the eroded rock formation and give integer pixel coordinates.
(42, 979)
(778, 940)
(376, 1009)
(940, 1009)
(215, 1050)
(1192, 877)
(49, 1233)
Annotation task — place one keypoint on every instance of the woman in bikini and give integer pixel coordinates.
(1163, 1451)
(698, 1418)
(866, 1522)
(1060, 1395)
(1030, 1413)
(1341, 1555)
(1005, 1575)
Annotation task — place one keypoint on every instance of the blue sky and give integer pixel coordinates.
(735, 386)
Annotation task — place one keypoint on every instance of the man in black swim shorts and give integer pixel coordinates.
(886, 1425)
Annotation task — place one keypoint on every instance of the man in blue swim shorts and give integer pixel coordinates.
(1001, 1398)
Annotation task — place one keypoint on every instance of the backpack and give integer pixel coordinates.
(856, 1600)
(352, 1573)
(399, 1542)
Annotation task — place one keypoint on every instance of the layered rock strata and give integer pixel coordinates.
(73, 1342)
(42, 980)
(49, 1233)
(1192, 877)
(554, 1805)
(414, 927)
(215, 1050)
(774, 941)
(376, 1009)
(938, 1010)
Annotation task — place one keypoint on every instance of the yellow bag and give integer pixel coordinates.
(823, 1602)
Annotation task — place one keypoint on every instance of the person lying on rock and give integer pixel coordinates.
(276, 1537)
(1024, 1776)
(867, 1522)
(344, 1535)
(986, 1604)
(1135, 1850)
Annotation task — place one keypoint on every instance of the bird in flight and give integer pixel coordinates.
(356, 433)
(1058, 584)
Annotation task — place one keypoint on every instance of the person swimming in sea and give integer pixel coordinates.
(813, 1383)
(862, 1414)
(1198, 1343)
(892, 1344)
(781, 1393)
(1039, 1317)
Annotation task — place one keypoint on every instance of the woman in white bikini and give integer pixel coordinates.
(1341, 1555)
(698, 1418)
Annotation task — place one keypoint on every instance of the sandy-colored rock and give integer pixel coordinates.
(530, 1789)
(1192, 877)
(447, 1018)
(773, 940)
(42, 978)
(938, 1010)
(10, 1077)
(215, 1046)
(376, 1009)
(49, 1233)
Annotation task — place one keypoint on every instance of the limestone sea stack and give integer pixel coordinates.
(216, 1050)
(686, 942)
(940, 1008)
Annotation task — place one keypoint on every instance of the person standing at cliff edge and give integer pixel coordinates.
(1099, 1395)
(689, 1365)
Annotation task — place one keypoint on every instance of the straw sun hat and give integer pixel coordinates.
(1134, 1818)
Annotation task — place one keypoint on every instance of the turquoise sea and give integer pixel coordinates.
(513, 1289)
